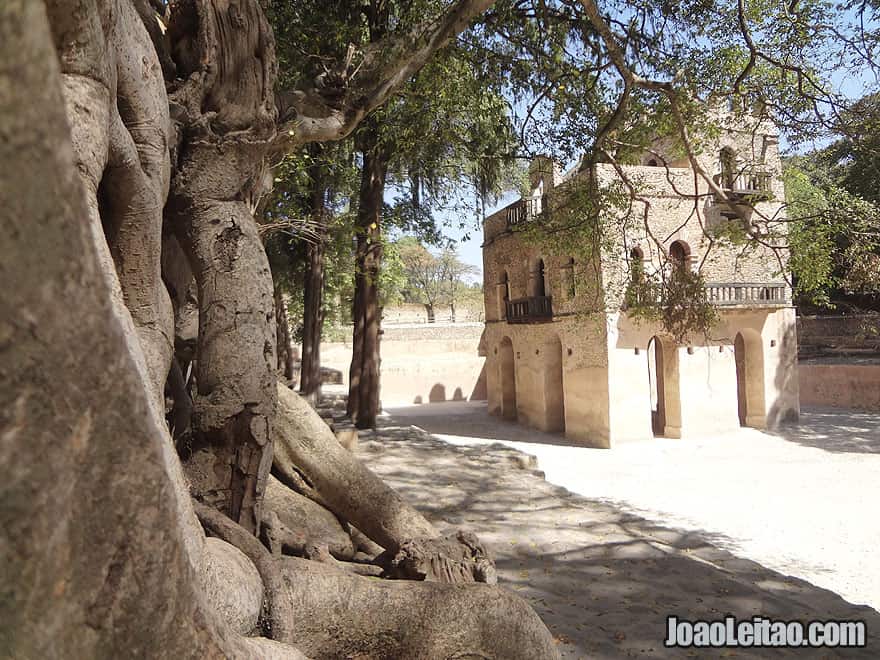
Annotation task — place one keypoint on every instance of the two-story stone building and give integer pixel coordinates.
(558, 362)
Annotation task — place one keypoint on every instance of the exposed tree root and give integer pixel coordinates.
(306, 450)
(340, 615)
(281, 615)
(233, 586)
(261, 648)
(458, 558)
(294, 521)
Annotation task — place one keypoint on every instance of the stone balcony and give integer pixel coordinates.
(739, 294)
(523, 210)
(746, 294)
(749, 185)
(533, 309)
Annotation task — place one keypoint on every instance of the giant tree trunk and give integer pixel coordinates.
(363, 392)
(226, 115)
(100, 549)
(115, 96)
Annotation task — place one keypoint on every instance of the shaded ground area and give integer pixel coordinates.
(803, 503)
(603, 579)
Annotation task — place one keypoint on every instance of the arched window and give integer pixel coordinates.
(637, 264)
(679, 254)
(571, 282)
(503, 292)
(540, 276)
(652, 163)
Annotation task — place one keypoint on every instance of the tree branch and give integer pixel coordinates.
(331, 110)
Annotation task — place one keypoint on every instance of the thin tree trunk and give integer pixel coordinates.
(313, 292)
(313, 321)
(363, 393)
(282, 337)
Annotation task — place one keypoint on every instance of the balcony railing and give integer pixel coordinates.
(524, 210)
(726, 294)
(534, 309)
(721, 294)
(748, 184)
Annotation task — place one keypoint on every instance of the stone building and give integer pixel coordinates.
(557, 361)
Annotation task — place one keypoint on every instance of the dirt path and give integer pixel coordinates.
(603, 580)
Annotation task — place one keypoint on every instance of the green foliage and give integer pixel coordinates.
(684, 307)
(392, 276)
(434, 279)
(679, 303)
(852, 162)
(536, 77)
(834, 238)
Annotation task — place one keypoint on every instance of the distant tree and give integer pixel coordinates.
(424, 275)
(446, 130)
(433, 280)
(453, 272)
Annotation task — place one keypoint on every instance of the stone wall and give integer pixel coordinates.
(559, 371)
(857, 333)
(600, 366)
(743, 374)
(414, 313)
(422, 363)
(672, 205)
(840, 385)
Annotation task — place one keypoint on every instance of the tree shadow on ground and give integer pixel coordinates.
(835, 430)
(603, 581)
(447, 420)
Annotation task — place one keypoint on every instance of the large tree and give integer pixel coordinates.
(445, 132)
(121, 118)
(108, 558)
(205, 145)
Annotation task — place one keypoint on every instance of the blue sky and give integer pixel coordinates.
(852, 84)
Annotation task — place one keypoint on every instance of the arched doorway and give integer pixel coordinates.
(554, 392)
(749, 357)
(508, 379)
(663, 381)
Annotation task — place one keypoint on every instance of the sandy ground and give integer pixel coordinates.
(696, 528)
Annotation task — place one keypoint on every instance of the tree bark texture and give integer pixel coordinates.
(225, 114)
(115, 97)
(348, 616)
(363, 390)
(99, 550)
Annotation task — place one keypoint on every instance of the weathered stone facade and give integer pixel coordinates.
(562, 353)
